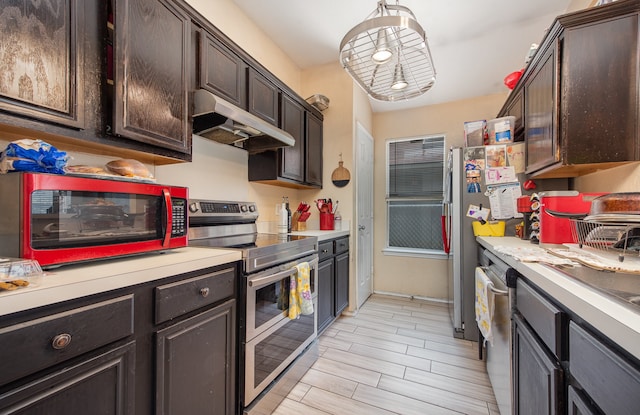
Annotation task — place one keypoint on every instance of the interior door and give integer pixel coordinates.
(364, 209)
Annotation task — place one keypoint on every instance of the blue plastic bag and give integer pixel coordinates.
(34, 156)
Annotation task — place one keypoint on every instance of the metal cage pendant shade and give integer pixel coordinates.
(388, 55)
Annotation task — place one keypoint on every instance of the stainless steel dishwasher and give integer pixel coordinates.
(499, 352)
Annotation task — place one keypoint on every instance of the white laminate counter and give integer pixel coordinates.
(75, 281)
(618, 322)
(322, 235)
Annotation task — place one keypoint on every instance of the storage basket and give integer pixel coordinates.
(492, 228)
(616, 237)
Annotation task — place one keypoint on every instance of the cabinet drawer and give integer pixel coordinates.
(341, 245)
(52, 339)
(325, 250)
(546, 320)
(611, 382)
(173, 300)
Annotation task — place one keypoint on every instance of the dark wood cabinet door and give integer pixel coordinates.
(577, 405)
(600, 92)
(325, 289)
(200, 348)
(292, 158)
(342, 282)
(221, 71)
(542, 147)
(41, 60)
(263, 97)
(101, 385)
(314, 157)
(152, 40)
(538, 378)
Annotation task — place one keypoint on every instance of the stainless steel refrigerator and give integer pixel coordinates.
(462, 258)
(459, 237)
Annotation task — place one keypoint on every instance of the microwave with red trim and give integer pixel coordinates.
(59, 219)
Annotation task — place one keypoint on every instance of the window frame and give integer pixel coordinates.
(405, 251)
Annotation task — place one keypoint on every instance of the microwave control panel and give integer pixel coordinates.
(179, 227)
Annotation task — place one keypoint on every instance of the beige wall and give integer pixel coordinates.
(414, 276)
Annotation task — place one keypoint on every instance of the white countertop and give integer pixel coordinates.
(75, 281)
(618, 322)
(322, 235)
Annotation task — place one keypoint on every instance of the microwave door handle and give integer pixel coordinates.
(169, 222)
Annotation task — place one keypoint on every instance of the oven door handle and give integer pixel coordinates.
(262, 281)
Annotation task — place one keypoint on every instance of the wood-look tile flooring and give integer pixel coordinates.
(396, 356)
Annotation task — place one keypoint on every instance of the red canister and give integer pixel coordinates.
(524, 204)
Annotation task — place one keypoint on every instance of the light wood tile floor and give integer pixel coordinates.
(396, 356)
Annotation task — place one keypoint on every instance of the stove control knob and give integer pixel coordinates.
(193, 207)
(252, 208)
(243, 208)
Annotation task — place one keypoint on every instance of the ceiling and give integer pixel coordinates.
(474, 44)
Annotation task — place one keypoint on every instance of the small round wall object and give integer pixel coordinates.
(340, 176)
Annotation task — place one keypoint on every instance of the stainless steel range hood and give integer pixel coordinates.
(221, 121)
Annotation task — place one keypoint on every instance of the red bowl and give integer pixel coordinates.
(512, 79)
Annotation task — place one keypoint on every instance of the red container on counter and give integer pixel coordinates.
(326, 221)
(557, 230)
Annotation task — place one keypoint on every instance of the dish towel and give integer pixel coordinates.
(485, 302)
(300, 292)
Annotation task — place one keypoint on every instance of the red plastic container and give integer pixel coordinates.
(326, 221)
(557, 230)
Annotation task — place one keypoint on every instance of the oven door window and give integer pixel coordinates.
(280, 345)
(272, 301)
(70, 219)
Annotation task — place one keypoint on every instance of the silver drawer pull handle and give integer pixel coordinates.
(204, 291)
(61, 341)
(324, 251)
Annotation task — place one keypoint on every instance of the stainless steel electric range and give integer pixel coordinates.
(273, 350)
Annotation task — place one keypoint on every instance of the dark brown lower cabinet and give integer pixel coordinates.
(165, 347)
(99, 385)
(202, 348)
(562, 365)
(538, 377)
(333, 280)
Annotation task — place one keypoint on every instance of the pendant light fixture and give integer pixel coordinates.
(387, 54)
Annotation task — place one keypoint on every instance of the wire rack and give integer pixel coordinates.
(615, 237)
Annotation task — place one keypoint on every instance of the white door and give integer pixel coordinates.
(364, 209)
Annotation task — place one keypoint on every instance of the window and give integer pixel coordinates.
(415, 171)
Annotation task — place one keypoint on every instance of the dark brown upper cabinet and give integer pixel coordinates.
(298, 166)
(292, 158)
(152, 78)
(263, 97)
(314, 145)
(221, 71)
(580, 92)
(41, 56)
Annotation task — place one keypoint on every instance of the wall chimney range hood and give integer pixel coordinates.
(219, 120)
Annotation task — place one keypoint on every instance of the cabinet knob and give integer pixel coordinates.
(61, 341)
(324, 251)
(361, 227)
(204, 291)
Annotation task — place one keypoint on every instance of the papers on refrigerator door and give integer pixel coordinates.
(479, 213)
(503, 200)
